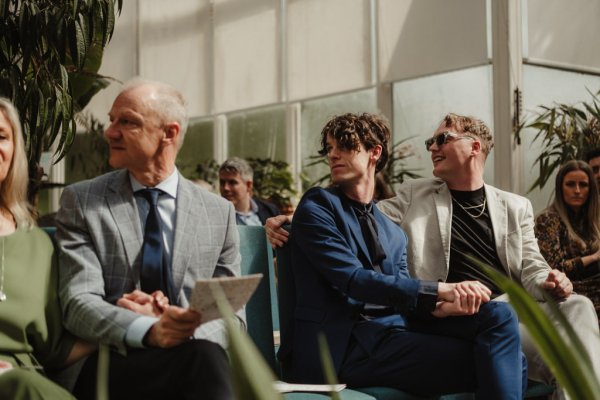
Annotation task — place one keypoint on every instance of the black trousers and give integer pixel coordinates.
(197, 369)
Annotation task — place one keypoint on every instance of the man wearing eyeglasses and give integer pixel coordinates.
(593, 158)
(456, 213)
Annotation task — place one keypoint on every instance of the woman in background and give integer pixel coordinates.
(31, 334)
(568, 231)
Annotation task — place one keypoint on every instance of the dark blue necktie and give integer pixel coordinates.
(155, 273)
(368, 225)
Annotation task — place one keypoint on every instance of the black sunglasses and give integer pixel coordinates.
(442, 139)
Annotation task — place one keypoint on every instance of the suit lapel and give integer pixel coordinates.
(191, 217)
(499, 217)
(355, 230)
(443, 207)
(387, 266)
(123, 209)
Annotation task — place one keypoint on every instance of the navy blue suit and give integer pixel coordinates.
(407, 349)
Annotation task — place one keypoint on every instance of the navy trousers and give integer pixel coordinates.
(479, 353)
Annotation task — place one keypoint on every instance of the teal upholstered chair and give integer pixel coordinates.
(261, 310)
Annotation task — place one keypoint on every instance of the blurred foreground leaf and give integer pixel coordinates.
(327, 363)
(251, 376)
(569, 362)
(102, 373)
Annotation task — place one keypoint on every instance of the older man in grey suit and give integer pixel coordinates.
(129, 262)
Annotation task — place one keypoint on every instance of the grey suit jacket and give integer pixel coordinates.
(423, 208)
(100, 235)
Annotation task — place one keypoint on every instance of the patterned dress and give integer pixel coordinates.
(565, 255)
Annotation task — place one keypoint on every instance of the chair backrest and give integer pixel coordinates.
(286, 289)
(261, 310)
(51, 231)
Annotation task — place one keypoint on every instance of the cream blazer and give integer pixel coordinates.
(423, 208)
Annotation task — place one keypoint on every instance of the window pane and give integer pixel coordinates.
(423, 37)
(563, 32)
(548, 86)
(420, 104)
(245, 53)
(328, 46)
(257, 134)
(197, 149)
(177, 31)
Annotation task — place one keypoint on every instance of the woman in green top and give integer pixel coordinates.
(31, 334)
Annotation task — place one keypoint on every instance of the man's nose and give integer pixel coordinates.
(111, 132)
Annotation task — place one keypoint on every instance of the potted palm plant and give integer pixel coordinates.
(50, 54)
(566, 132)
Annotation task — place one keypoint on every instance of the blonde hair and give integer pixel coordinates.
(13, 190)
(473, 127)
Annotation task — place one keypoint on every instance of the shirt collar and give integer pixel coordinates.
(253, 209)
(168, 186)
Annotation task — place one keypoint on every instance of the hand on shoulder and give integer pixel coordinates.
(276, 235)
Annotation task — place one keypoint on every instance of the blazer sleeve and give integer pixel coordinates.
(315, 231)
(82, 293)
(534, 268)
(229, 260)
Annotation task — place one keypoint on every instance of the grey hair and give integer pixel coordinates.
(168, 103)
(240, 166)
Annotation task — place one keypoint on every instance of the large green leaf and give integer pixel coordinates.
(252, 378)
(102, 372)
(327, 363)
(566, 357)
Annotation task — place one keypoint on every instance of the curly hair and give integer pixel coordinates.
(352, 130)
(471, 126)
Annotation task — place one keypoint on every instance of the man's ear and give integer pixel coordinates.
(376, 153)
(476, 147)
(250, 186)
(171, 133)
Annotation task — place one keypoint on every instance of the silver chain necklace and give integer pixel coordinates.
(2, 294)
(482, 205)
